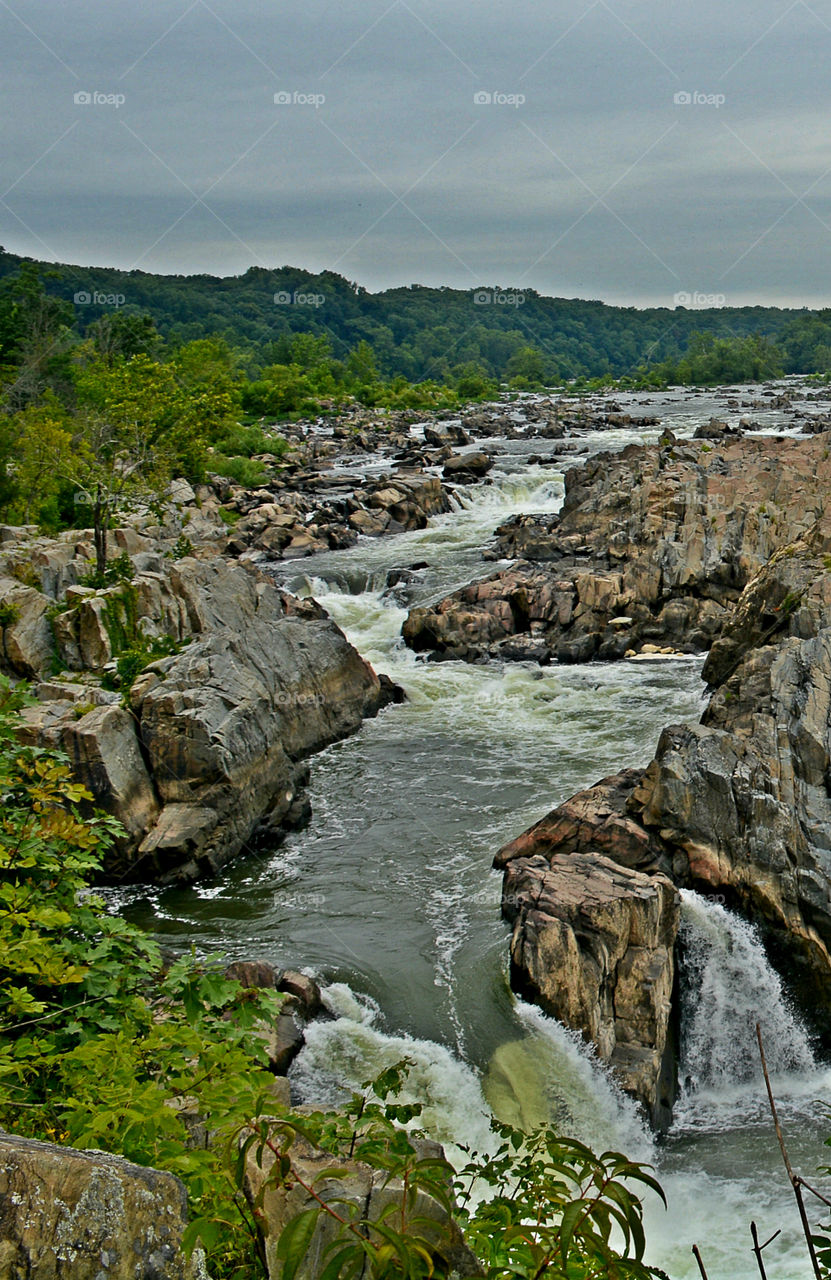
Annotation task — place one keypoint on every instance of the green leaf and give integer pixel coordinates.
(294, 1241)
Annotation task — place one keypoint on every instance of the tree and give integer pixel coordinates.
(136, 425)
(35, 338)
(43, 444)
(122, 334)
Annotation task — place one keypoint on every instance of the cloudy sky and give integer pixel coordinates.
(629, 150)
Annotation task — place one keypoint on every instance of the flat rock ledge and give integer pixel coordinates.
(594, 944)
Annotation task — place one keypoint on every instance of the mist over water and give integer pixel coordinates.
(389, 896)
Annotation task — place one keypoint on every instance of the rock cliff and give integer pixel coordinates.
(738, 804)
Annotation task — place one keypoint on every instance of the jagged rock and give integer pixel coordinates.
(665, 535)
(303, 988)
(593, 944)
(596, 819)
(233, 713)
(81, 1215)
(104, 750)
(28, 646)
(284, 1040)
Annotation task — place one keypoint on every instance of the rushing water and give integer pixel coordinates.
(390, 898)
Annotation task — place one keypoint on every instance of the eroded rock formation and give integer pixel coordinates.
(208, 756)
(654, 545)
(739, 804)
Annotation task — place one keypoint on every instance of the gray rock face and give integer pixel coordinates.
(26, 640)
(593, 944)
(81, 1215)
(653, 546)
(738, 804)
(209, 755)
(224, 728)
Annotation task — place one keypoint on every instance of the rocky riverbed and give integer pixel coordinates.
(714, 543)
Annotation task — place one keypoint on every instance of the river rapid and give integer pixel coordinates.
(389, 897)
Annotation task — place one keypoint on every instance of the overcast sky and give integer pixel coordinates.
(629, 150)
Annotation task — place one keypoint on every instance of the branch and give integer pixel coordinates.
(757, 1248)
(794, 1178)
(700, 1263)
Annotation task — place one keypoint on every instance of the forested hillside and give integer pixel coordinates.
(446, 334)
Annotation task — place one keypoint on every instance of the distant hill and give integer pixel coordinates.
(417, 331)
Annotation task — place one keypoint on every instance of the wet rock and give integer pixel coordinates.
(303, 988)
(461, 465)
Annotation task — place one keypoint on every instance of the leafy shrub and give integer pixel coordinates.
(118, 570)
(244, 470)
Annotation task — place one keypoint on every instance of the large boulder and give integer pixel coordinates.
(208, 758)
(226, 721)
(83, 1215)
(26, 642)
(593, 944)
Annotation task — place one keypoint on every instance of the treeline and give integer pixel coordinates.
(101, 401)
(439, 335)
(95, 417)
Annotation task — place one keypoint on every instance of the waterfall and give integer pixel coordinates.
(728, 985)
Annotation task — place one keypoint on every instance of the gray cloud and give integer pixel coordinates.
(583, 175)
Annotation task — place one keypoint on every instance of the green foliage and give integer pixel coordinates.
(117, 571)
(181, 548)
(554, 1207)
(540, 1205)
(244, 471)
(134, 658)
(100, 1047)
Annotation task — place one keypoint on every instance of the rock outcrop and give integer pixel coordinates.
(207, 759)
(81, 1215)
(653, 545)
(593, 944)
(737, 805)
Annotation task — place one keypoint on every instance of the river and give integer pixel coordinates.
(389, 897)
